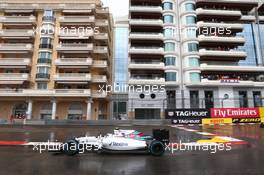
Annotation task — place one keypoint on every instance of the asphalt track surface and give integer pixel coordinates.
(242, 159)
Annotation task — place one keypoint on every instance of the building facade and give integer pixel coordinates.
(55, 59)
(205, 53)
(120, 67)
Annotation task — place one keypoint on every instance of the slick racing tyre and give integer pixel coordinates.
(156, 148)
(71, 147)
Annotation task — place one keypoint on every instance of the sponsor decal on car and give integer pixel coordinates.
(235, 113)
(187, 113)
(246, 120)
(217, 121)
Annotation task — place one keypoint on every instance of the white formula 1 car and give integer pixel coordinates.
(121, 141)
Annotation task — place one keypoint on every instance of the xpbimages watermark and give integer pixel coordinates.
(147, 89)
(209, 147)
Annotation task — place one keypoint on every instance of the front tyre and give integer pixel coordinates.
(156, 148)
(71, 147)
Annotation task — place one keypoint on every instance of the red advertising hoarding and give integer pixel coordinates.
(235, 113)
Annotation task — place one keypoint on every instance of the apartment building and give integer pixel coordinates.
(55, 56)
(207, 53)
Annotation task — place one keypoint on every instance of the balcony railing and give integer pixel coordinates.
(15, 62)
(145, 8)
(16, 33)
(73, 62)
(146, 22)
(146, 35)
(101, 36)
(147, 65)
(99, 94)
(14, 77)
(18, 19)
(100, 64)
(99, 79)
(76, 19)
(46, 92)
(15, 47)
(75, 47)
(147, 50)
(101, 23)
(72, 77)
(101, 49)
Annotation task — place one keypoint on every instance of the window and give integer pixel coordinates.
(42, 85)
(48, 13)
(167, 6)
(44, 55)
(170, 76)
(209, 99)
(189, 7)
(257, 99)
(45, 40)
(169, 47)
(168, 19)
(194, 99)
(190, 20)
(194, 62)
(168, 32)
(46, 43)
(191, 33)
(243, 99)
(43, 70)
(170, 61)
(192, 47)
(195, 77)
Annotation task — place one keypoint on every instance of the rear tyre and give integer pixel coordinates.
(262, 125)
(71, 147)
(156, 148)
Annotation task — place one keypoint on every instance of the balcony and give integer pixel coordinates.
(73, 62)
(76, 19)
(151, 9)
(147, 65)
(74, 48)
(231, 26)
(102, 11)
(16, 34)
(15, 62)
(101, 23)
(45, 93)
(99, 79)
(137, 80)
(216, 40)
(15, 48)
(101, 36)
(143, 36)
(68, 34)
(218, 13)
(72, 77)
(146, 22)
(19, 77)
(100, 49)
(227, 68)
(147, 50)
(221, 55)
(99, 94)
(99, 64)
(42, 77)
(18, 20)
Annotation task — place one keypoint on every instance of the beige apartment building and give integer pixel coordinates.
(54, 57)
